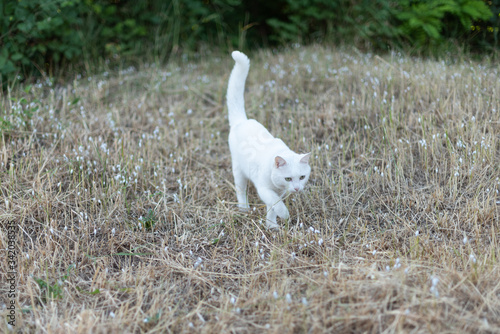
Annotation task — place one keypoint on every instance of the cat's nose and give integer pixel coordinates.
(296, 188)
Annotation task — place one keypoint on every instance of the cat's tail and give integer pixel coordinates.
(236, 88)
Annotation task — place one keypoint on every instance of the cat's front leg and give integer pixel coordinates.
(281, 210)
(275, 206)
(271, 219)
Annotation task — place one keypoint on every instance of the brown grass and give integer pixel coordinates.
(120, 188)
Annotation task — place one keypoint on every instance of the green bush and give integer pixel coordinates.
(38, 33)
(423, 22)
(40, 36)
(380, 23)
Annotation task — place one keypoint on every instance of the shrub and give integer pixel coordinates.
(423, 22)
(39, 36)
(38, 33)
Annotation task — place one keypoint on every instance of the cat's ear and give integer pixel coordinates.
(305, 158)
(279, 162)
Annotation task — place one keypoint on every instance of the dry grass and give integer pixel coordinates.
(120, 187)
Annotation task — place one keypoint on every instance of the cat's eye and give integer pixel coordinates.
(288, 179)
(302, 177)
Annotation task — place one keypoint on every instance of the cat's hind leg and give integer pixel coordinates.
(241, 182)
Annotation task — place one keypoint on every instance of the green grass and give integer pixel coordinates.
(121, 184)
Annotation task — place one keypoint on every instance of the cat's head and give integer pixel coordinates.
(290, 173)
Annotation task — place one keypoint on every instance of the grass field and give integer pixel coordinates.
(120, 192)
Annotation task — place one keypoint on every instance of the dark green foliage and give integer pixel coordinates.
(341, 20)
(423, 22)
(380, 23)
(38, 33)
(40, 36)
(485, 34)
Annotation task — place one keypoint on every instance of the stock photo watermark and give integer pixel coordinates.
(11, 273)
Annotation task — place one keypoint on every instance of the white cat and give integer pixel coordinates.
(256, 155)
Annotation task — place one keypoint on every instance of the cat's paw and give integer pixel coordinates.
(272, 225)
(243, 207)
(281, 210)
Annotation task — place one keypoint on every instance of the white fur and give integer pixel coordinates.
(273, 168)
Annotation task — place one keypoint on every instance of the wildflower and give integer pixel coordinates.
(433, 289)
(472, 257)
(198, 262)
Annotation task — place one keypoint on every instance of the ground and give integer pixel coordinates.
(119, 189)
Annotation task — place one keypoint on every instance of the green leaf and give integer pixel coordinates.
(16, 56)
(3, 60)
(95, 292)
(25, 26)
(431, 31)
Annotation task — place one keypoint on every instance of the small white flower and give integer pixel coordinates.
(472, 257)
(275, 295)
(435, 280)
(198, 262)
